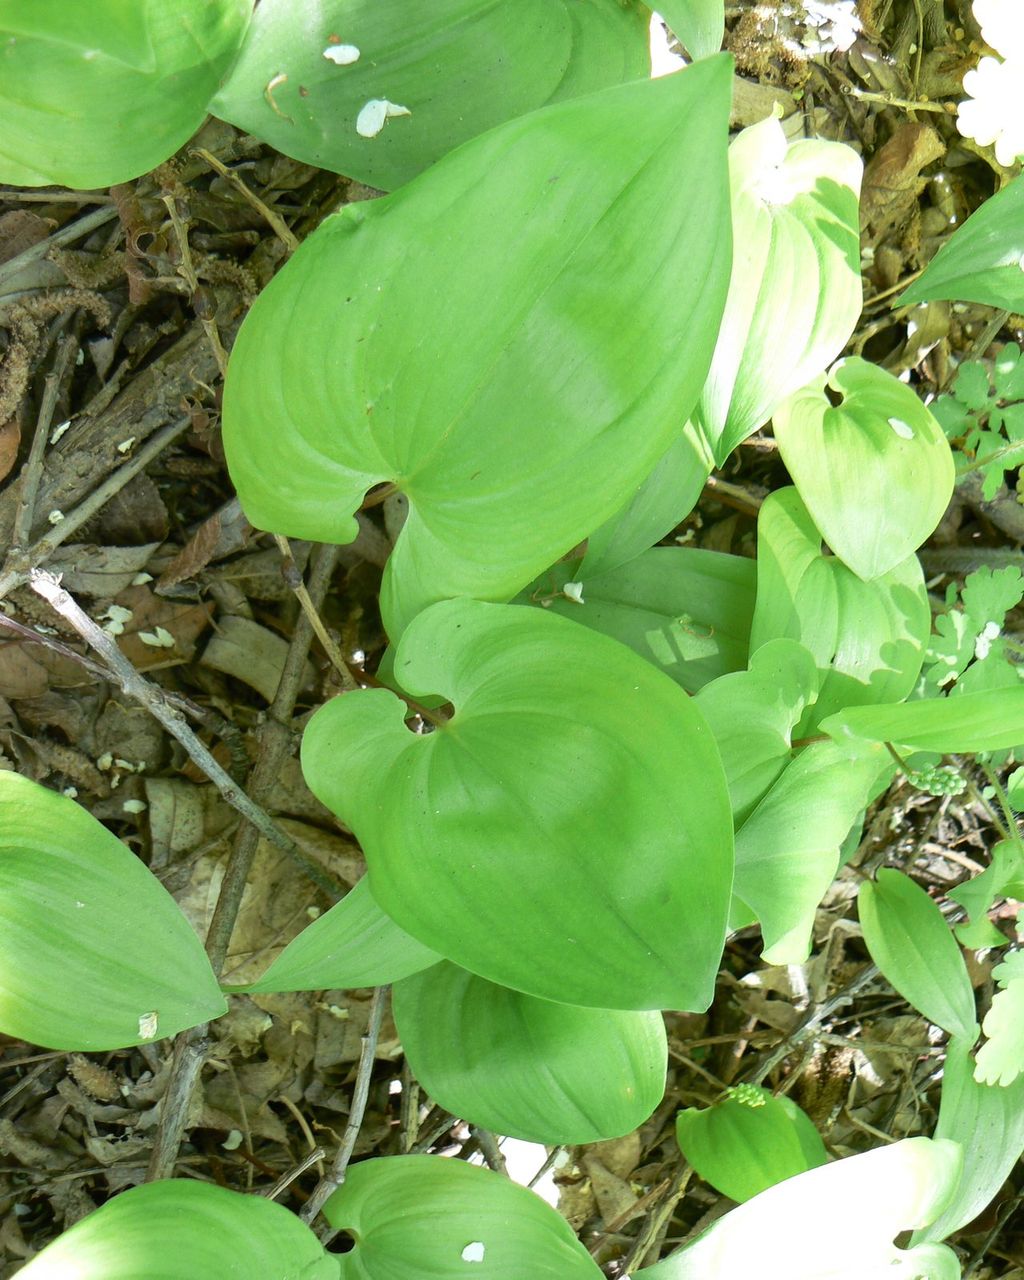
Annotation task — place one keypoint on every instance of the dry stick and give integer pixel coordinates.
(152, 698)
(20, 565)
(288, 1177)
(186, 1063)
(275, 743)
(28, 636)
(294, 580)
(360, 1093)
(1006, 1213)
(810, 1023)
(656, 1222)
(276, 222)
(66, 235)
(26, 508)
(275, 747)
(490, 1150)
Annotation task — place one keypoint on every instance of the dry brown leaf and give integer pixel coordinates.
(615, 1198)
(10, 440)
(184, 623)
(251, 653)
(892, 178)
(20, 230)
(101, 572)
(28, 670)
(224, 533)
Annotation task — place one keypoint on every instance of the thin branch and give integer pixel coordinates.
(294, 580)
(152, 698)
(275, 745)
(326, 1187)
(29, 489)
(189, 1055)
(20, 565)
(274, 219)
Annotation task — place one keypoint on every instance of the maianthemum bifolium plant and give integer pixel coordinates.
(576, 301)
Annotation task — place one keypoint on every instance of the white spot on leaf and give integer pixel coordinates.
(983, 644)
(903, 429)
(473, 1252)
(342, 55)
(148, 1023)
(375, 114)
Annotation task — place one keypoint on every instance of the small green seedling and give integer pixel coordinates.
(985, 421)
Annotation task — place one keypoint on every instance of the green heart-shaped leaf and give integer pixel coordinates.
(419, 1216)
(749, 1141)
(752, 713)
(183, 1230)
(94, 953)
(685, 610)
(529, 1068)
(787, 851)
(794, 217)
(457, 67)
(836, 1222)
(912, 945)
(988, 1123)
(509, 838)
(101, 93)
(847, 460)
(868, 640)
(989, 721)
(561, 254)
(354, 945)
(981, 261)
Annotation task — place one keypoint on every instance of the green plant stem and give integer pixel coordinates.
(979, 464)
(1012, 827)
(326, 1187)
(980, 800)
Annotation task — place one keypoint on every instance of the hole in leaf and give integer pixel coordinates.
(343, 1242)
(835, 398)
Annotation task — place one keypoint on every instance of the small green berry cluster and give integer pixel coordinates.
(940, 780)
(748, 1095)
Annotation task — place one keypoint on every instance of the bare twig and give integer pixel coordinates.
(810, 1023)
(274, 219)
(189, 1054)
(34, 465)
(152, 698)
(656, 1223)
(326, 1187)
(490, 1150)
(275, 743)
(286, 1179)
(77, 230)
(20, 565)
(294, 579)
